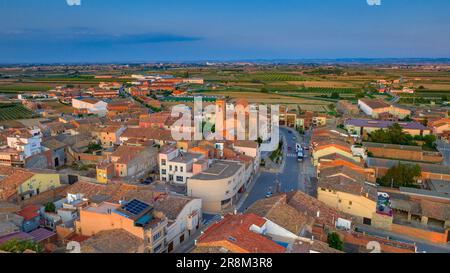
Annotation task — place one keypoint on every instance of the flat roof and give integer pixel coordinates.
(384, 124)
(440, 186)
(103, 208)
(388, 163)
(185, 157)
(392, 146)
(219, 170)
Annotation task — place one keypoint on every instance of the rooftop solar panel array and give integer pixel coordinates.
(135, 207)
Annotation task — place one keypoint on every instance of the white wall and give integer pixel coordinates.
(181, 222)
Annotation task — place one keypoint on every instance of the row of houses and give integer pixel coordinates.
(347, 176)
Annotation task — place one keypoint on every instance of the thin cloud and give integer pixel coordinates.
(88, 36)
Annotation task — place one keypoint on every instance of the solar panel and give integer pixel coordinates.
(135, 207)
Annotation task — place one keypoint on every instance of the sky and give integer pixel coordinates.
(51, 31)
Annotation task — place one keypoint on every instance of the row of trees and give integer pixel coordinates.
(395, 135)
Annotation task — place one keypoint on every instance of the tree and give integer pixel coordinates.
(360, 95)
(19, 246)
(335, 241)
(335, 96)
(93, 146)
(393, 135)
(402, 175)
(430, 142)
(50, 207)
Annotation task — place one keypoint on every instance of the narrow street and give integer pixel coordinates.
(294, 176)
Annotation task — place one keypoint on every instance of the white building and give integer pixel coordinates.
(218, 186)
(176, 166)
(91, 105)
(184, 216)
(27, 141)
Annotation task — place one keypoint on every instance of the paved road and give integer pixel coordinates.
(444, 148)
(294, 176)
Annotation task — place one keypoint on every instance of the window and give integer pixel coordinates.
(180, 179)
(350, 203)
(170, 168)
(176, 168)
(163, 162)
(181, 238)
(181, 169)
(157, 236)
(163, 171)
(158, 248)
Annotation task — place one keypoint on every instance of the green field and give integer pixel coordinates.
(9, 88)
(275, 77)
(13, 111)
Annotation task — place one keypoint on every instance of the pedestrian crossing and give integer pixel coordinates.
(291, 155)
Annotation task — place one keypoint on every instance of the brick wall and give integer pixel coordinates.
(406, 154)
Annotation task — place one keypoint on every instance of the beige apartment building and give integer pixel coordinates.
(218, 186)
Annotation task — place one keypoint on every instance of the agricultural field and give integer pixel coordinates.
(18, 88)
(266, 98)
(12, 111)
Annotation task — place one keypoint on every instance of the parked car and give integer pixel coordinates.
(147, 181)
(269, 194)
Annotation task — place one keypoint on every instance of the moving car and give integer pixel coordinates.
(300, 157)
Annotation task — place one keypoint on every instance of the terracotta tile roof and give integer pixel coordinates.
(147, 134)
(435, 210)
(343, 171)
(113, 191)
(14, 177)
(316, 246)
(125, 154)
(323, 214)
(246, 143)
(320, 145)
(110, 129)
(113, 241)
(156, 118)
(336, 156)
(278, 211)
(171, 206)
(233, 233)
(345, 179)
